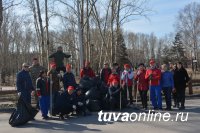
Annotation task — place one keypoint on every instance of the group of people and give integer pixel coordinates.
(171, 79)
(35, 80)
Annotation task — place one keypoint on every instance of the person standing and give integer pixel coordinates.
(43, 92)
(68, 78)
(142, 84)
(113, 76)
(117, 67)
(34, 70)
(58, 57)
(167, 84)
(105, 73)
(87, 71)
(173, 68)
(180, 79)
(153, 75)
(24, 84)
(127, 82)
(54, 77)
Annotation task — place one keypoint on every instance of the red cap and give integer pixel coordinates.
(68, 66)
(115, 81)
(52, 65)
(127, 66)
(70, 88)
(152, 61)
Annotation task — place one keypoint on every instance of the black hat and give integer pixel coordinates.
(115, 64)
(141, 64)
(79, 88)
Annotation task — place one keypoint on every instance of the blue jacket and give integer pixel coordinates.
(24, 82)
(69, 80)
(167, 79)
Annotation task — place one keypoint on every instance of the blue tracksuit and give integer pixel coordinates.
(167, 84)
(69, 80)
(24, 85)
(156, 98)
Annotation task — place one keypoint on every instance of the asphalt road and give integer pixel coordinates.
(90, 124)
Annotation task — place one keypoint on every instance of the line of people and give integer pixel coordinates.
(170, 79)
(119, 82)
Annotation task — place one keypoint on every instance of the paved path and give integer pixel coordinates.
(90, 124)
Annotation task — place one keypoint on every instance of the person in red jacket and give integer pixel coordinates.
(142, 84)
(113, 76)
(154, 75)
(87, 71)
(127, 82)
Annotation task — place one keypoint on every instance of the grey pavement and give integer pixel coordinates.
(90, 124)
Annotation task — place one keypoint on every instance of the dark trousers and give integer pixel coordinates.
(66, 109)
(167, 92)
(58, 69)
(143, 95)
(114, 102)
(44, 105)
(181, 96)
(81, 109)
(174, 94)
(124, 92)
(26, 96)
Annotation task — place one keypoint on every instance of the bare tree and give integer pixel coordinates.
(188, 24)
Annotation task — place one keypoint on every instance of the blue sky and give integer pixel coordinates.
(162, 18)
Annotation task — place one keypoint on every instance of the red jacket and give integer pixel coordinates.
(87, 72)
(142, 82)
(113, 76)
(156, 76)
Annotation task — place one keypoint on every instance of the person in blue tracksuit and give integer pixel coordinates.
(167, 84)
(154, 76)
(24, 84)
(43, 92)
(68, 78)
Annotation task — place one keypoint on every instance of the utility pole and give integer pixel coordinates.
(80, 36)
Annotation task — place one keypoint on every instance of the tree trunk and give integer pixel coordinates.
(41, 32)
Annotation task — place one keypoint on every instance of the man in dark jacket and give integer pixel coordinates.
(105, 73)
(66, 102)
(68, 78)
(80, 102)
(114, 93)
(24, 84)
(58, 57)
(180, 79)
